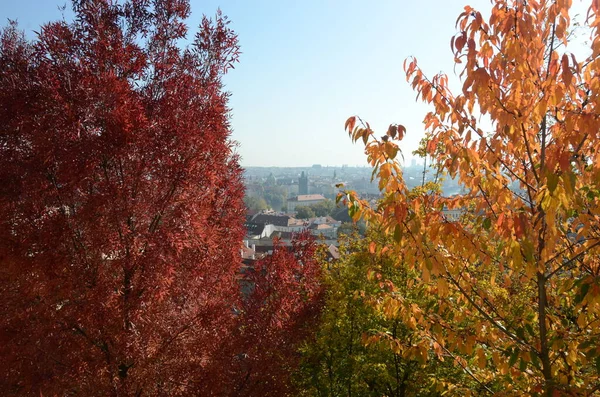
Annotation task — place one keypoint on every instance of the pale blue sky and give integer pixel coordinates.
(308, 65)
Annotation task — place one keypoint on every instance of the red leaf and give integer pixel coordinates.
(349, 126)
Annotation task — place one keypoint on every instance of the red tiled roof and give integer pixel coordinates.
(320, 226)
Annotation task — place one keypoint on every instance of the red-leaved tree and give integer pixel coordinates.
(280, 312)
(120, 203)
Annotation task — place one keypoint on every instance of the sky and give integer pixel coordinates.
(306, 66)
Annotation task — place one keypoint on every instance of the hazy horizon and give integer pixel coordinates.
(322, 165)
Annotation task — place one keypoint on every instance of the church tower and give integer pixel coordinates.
(303, 184)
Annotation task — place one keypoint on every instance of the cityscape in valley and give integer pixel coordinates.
(276, 184)
(282, 202)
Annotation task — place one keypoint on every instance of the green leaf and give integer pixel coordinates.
(487, 223)
(529, 329)
(582, 293)
(585, 345)
(398, 233)
(352, 211)
(513, 357)
(521, 333)
(428, 264)
(527, 250)
(552, 182)
(522, 365)
(535, 360)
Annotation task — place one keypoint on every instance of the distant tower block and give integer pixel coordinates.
(303, 184)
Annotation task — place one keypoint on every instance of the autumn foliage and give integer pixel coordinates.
(122, 217)
(120, 201)
(517, 277)
(281, 310)
(363, 344)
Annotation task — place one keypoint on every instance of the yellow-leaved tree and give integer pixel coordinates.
(514, 261)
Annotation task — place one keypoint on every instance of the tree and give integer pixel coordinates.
(275, 196)
(347, 228)
(255, 204)
(323, 208)
(279, 314)
(517, 275)
(304, 212)
(358, 351)
(121, 203)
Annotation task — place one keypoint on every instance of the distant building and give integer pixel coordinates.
(264, 225)
(304, 200)
(453, 215)
(324, 226)
(303, 184)
(333, 253)
(256, 230)
(324, 230)
(247, 251)
(272, 219)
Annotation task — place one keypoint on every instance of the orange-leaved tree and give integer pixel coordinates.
(516, 268)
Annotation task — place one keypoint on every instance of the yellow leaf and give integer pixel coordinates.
(516, 254)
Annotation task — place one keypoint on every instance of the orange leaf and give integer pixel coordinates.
(350, 124)
(372, 247)
(567, 76)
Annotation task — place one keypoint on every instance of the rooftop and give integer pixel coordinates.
(308, 197)
(277, 220)
(254, 227)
